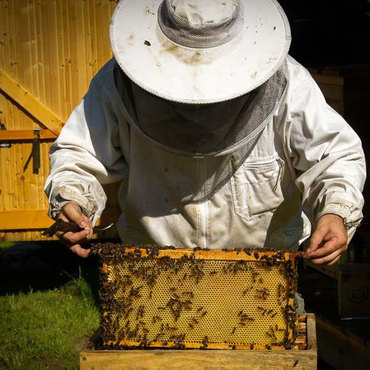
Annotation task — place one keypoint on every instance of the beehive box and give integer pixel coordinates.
(205, 299)
(93, 357)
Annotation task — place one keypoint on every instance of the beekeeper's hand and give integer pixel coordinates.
(71, 212)
(328, 241)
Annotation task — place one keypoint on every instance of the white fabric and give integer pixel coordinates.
(200, 13)
(307, 158)
(259, 42)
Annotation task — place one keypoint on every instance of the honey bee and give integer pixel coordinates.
(204, 342)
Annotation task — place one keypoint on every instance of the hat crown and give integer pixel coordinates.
(198, 14)
(200, 23)
(199, 51)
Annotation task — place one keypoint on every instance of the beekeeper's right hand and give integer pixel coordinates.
(71, 212)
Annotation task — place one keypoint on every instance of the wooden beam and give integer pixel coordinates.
(25, 135)
(24, 220)
(340, 348)
(331, 271)
(311, 328)
(29, 103)
(322, 78)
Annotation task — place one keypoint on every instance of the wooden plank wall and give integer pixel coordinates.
(52, 49)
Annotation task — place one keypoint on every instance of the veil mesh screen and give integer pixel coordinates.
(178, 298)
(217, 137)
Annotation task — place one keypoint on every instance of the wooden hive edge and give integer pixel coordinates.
(92, 358)
(246, 254)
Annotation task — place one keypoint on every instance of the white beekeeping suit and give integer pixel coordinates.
(220, 139)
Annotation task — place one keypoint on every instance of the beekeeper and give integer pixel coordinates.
(220, 139)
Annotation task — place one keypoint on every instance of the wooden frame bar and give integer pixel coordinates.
(92, 358)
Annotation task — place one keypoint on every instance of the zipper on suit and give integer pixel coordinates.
(203, 206)
(203, 217)
(281, 172)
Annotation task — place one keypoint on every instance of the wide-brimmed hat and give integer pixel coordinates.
(199, 51)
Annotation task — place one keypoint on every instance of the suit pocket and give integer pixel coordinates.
(256, 187)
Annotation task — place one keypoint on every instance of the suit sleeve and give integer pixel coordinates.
(327, 156)
(86, 155)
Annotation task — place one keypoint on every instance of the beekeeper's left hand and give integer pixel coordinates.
(328, 241)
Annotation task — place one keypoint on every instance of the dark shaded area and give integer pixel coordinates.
(321, 365)
(35, 266)
(320, 293)
(329, 31)
(333, 38)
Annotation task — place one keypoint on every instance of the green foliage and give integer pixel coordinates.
(4, 245)
(46, 329)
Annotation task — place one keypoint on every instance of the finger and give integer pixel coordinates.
(329, 247)
(63, 217)
(71, 212)
(329, 259)
(74, 214)
(335, 260)
(315, 240)
(76, 248)
(74, 237)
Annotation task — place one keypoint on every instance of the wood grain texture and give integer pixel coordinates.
(25, 135)
(30, 104)
(198, 359)
(49, 52)
(90, 358)
(24, 219)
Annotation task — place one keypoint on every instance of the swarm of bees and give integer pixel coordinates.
(153, 297)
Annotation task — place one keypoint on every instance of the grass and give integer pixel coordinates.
(46, 329)
(6, 244)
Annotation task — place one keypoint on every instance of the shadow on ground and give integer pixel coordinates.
(34, 266)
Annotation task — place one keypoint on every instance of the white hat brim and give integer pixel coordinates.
(199, 76)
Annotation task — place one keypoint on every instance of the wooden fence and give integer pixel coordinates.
(49, 51)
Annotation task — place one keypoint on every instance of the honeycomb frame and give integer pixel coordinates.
(155, 297)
